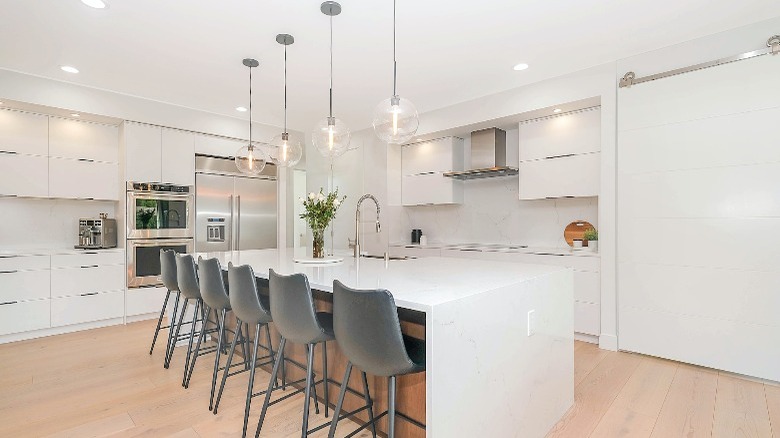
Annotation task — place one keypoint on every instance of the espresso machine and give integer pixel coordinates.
(97, 233)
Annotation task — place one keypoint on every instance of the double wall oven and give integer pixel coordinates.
(159, 216)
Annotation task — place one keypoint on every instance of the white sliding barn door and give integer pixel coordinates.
(699, 217)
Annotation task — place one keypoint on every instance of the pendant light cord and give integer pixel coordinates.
(250, 108)
(285, 88)
(331, 66)
(395, 63)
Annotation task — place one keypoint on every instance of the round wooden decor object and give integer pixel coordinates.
(576, 230)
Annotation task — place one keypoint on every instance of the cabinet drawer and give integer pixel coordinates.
(576, 176)
(24, 133)
(76, 281)
(23, 263)
(431, 189)
(24, 175)
(146, 300)
(567, 134)
(23, 285)
(587, 287)
(587, 318)
(77, 139)
(87, 308)
(24, 316)
(78, 179)
(87, 258)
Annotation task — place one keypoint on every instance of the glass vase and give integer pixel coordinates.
(318, 244)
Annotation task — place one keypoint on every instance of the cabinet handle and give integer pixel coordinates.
(9, 152)
(88, 266)
(8, 303)
(88, 294)
(9, 272)
(90, 252)
(86, 160)
(552, 157)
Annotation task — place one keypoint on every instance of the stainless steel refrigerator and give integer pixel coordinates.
(233, 211)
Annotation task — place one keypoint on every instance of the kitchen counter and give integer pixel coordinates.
(502, 248)
(481, 361)
(45, 251)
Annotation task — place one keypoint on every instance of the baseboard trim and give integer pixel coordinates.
(591, 339)
(15, 337)
(608, 342)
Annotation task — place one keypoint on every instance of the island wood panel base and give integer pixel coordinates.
(410, 396)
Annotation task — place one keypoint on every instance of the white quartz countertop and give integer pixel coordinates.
(503, 248)
(418, 284)
(45, 251)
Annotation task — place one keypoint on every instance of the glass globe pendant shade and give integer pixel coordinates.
(250, 160)
(396, 120)
(331, 137)
(285, 152)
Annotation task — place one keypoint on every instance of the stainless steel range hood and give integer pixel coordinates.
(488, 156)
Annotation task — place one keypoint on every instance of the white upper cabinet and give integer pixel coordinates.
(570, 176)
(24, 175)
(81, 179)
(431, 189)
(440, 155)
(577, 133)
(178, 157)
(143, 151)
(24, 133)
(83, 140)
(217, 146)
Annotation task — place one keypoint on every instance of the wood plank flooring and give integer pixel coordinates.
(102, 383)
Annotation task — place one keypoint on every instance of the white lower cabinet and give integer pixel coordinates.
(23, 285)
(87, 307)
(587, 317)
(81, 179)
(146, 300)
(87, 278)
(24, 175)
(17, 317)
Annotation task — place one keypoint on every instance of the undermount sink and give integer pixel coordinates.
(381, 257)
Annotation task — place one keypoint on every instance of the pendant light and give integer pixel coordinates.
(250, 159)
(331, 136)
(286, 152)
(395, 119)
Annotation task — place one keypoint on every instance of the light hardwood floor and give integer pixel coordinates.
(102, 383)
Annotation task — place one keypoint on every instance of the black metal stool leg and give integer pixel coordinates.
(270, 346)
(159, 322)
(251, 388)
(369, 403)
(238, 334)
(340, 402)
(309, 384)
(216, 357)
(325, 375)
(270, 383)
(310, 349)
(175, 338)
(391, 407)
(198, 303)
(201, 336)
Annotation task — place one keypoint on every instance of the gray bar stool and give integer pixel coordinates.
(292, 306)
(187, 279)
(215, 297)
(369, 334)
(250, 308)
(168, 277)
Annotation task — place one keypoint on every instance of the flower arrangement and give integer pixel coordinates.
(319, 210)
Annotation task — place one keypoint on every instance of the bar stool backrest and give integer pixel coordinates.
(292, 306)
(368, 330)
(186, 276)
(244, 296)
(212, 284)
(168, 269)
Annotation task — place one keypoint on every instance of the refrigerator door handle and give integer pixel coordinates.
(238, 222)
(232, 223)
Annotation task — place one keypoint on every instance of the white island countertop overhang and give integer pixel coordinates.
(499, 335)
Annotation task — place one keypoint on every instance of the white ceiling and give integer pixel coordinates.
(189, 52)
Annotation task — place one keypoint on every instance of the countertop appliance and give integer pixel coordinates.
(488, 156)
(159, 216)
(97, 233)
(234, 211)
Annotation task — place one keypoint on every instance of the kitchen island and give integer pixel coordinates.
(499, 343)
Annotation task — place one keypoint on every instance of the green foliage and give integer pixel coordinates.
(591, 235)
(320, 209)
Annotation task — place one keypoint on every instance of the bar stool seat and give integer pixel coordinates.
(368, 331)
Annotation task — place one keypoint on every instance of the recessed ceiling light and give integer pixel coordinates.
(69, 69)
(75, 115)
(97, 4)
(521, 66)
(557, 110)
(241, 108)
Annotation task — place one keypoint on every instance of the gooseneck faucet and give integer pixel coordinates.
(357, 221)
